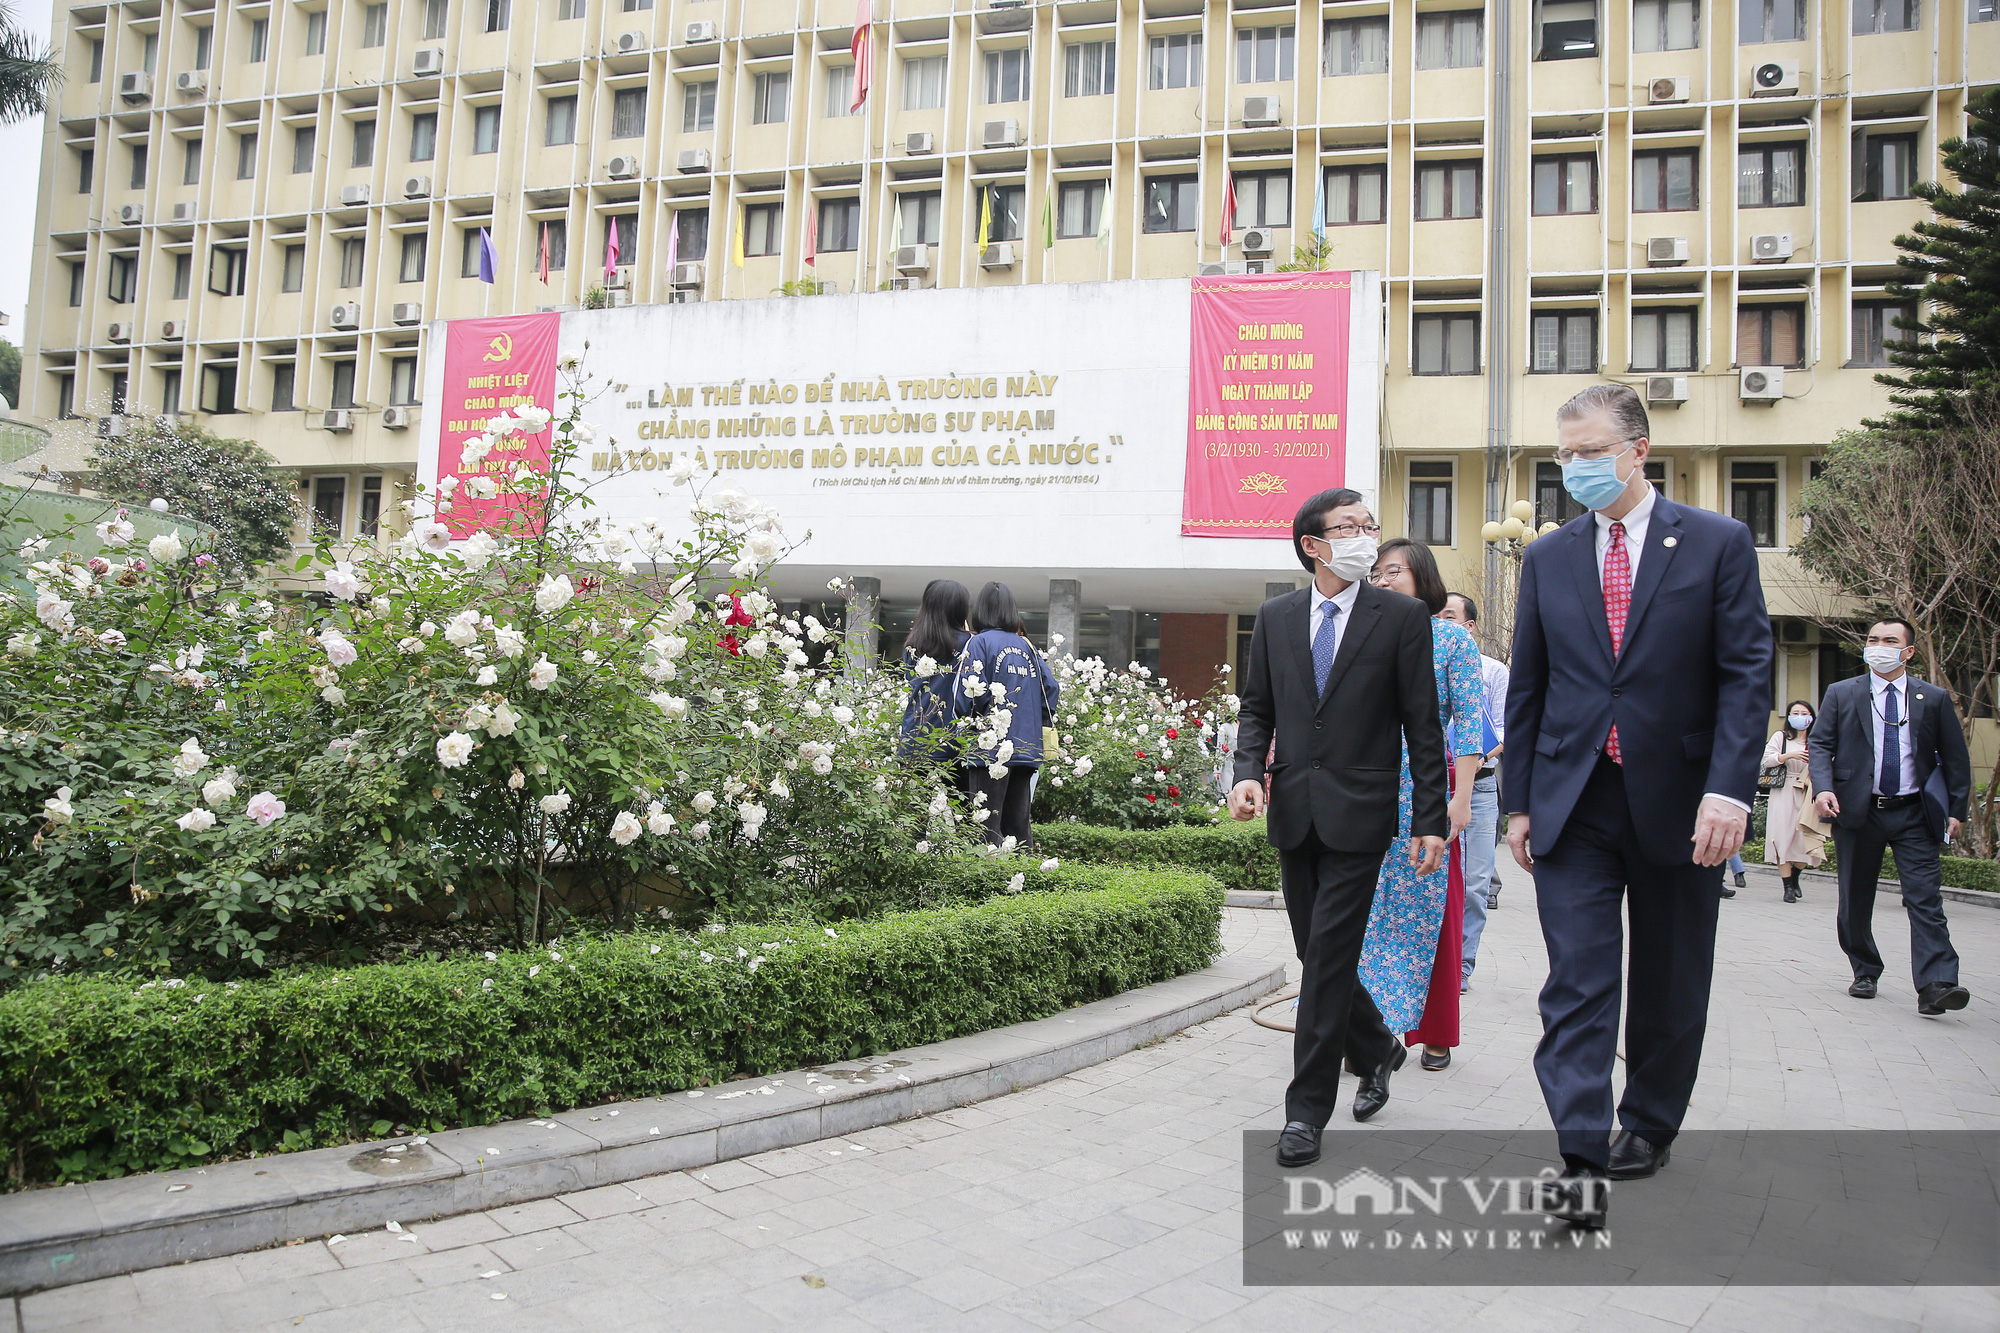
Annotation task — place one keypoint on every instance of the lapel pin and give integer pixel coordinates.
(1920, 698)
(1671, 541)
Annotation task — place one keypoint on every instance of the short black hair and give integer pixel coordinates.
(1909, 630)
(1423, 568)
(1311, 519)
(995, 609)
(1471, 607)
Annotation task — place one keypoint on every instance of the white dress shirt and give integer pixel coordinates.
(1344, 599)
(1878, 691)
(1493, 673)
(1636, 524)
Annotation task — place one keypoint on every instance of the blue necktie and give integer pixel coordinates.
(1892, 745)
(1323, 643)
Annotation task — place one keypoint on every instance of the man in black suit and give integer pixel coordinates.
(1636, 702)
(1890, 768)
(1341, 671)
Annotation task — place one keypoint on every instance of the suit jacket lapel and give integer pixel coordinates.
(1361, 623)
(1295, 624)
(1664, 528)
(1582, 559)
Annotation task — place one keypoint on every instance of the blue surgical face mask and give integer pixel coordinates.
(1594, 482)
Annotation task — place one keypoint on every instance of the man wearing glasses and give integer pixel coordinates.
(1639, 688)
(1341, 673)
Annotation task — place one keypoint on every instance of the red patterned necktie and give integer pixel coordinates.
(1617, 602)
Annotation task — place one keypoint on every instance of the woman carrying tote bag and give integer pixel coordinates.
(1793, 836)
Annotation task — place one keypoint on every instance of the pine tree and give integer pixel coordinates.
(1952, 265)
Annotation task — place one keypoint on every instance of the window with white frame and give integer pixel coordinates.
(1265, 55)
(770, 98)
(1007, 75)
(698, 107)
(1565, 29)
(839, 91)
(1079, 208)
(1263, 199)
(374, 25)
(1357, 46)
(1666, 25)
(315, 32)
(560, 124)
(1090, 69)
(1446, 344)
(920, 217)
(923, 83)
(486, 129)
(1873, 16)
(628, 113)
(1770, 21)
(1451, 40)
(1430, 501)
(1174, 61)
(839, 225)
(1663, 338)
(763, 228)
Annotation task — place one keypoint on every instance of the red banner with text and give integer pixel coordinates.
(1267, 400)
(492, 366)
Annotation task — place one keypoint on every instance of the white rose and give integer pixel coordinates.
(556, 804)
(542, 674)
(265, 808)
(698, 831)
(409, 643)
(1016, 884)
(823, 765)
(504, 720)
(842, 714)
(339, 652)
(190, 760)
(220, 789)
(554, 594)
(1051, 864)
(342, 582)
(430, 534)
(780, 789)
(454, 749)
(487, 676)
(479, 548)
(334, 695)
(626, 828)
(703, 802)
(658, 822)
(463, 629)
(669, 704)
(196, 820)
(57, 808)
(509, 642)
(166, 548)
(516, 780)
(23, 644)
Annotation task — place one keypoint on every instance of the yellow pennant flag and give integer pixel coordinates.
(985, 217)
(736, 247)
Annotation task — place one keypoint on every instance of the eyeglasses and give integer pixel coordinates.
(1592, 455)
(1386, 573)
(1345, 530)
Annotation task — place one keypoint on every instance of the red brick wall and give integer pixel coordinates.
(1192, 647)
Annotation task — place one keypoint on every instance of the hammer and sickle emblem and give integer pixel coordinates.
(503, 348)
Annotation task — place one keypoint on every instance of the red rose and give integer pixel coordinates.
(729, 641)
(1152, 799)
(1173, 791)
(737, 615)
(1138, 754)
(1173, 733)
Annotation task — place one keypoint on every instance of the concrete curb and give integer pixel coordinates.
(54, 1237)
(1267, 899)
(1889, 887)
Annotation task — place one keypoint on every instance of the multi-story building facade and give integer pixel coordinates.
(255, 208)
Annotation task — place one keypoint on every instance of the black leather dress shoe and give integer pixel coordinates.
(1299, 1144)
(1435, 1062)
(1863, 988)
(1939, 996)
(1634, 1158)
(1373, 1094)
(1580, 1200)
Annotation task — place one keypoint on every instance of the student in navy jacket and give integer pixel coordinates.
(930, 657)
(998, 658)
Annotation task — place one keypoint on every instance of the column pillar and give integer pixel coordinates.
(1124, 630)
(1065, 602)
(863, 620)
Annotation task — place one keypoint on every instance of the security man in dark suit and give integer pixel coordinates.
(1341, 672)
(1636, 702)
(1890, 767)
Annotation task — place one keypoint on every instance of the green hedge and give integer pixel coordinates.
(1960, 872)
(98, 1078)
(1237, 854)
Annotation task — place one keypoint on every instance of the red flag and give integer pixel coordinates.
(863, 50)
(611, 246)
(1229, 210)
(812, 231)
(545, 254)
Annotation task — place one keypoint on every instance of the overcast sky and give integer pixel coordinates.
(21, 152)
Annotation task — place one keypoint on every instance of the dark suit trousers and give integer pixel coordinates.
(1328, 894)
(1583, 886)
(1859, 852)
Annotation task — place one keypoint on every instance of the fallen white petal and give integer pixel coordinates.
(420, 1140)
(335, 1240)
(694, 1094)
(492, 1273)
(654, 1130)
(499, 1295)
(394, 1226)
(611, 1113)
(173, 1189)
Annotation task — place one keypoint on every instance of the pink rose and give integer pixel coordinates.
(265, 808)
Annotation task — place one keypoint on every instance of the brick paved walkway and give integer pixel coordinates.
(1108, 1199)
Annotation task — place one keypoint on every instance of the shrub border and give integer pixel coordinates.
(1240, 855)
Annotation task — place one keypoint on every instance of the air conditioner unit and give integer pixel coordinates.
(339, 420)
(1770, 247)
(136, 86)
(428, 62)
(621, 297)
(353, 196)
(1774, 78)
(1669, 88)
(131, 214)
(1257, 265)
(1000, 254)
(1666, 251)
(398, 418)
(1258, 241)
(1666, 390)
(406, 312)
(623, 167)
(119, 332)
(174, 330)
(906, 284)
(346, 315)
(920, 142)
(683, 296)
(630, 42)
(1001, 134)
(617, 280)
(184, 211)
(691, 274)
(416, 187)
(191, 81)
(111, 428)
(913, 259)
(1761, 384)
(702, 31)
(693, 161)
(1263, 110)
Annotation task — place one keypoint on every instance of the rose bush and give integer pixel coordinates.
(1135, 755)
(520, 706)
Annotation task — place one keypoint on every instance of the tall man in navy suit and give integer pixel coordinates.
(1640, 686)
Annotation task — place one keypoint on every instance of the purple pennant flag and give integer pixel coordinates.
(487, 259)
